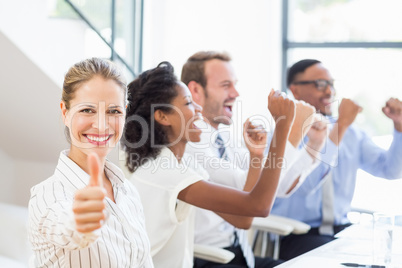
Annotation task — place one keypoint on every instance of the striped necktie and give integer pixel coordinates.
(221, 147)
(240, 235)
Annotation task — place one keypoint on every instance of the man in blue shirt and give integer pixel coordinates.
(324, 199)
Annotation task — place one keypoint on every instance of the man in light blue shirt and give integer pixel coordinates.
(347, 149)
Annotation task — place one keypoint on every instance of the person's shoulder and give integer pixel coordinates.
(49, 192)
(195, 166)
(45, 183)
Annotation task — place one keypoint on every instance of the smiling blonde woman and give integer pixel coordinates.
(86, 214)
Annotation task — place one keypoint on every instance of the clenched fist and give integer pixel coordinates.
(348, 111)
(255, 137)
(281, 108)
(393, 110)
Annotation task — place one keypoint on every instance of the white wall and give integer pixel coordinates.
(36, 51)
(7, 181)
(28, 174)
(248, 30)
(18, 176)
(52, 44)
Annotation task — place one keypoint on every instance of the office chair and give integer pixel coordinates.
(275, 226)
(214, 254)
(270, 229)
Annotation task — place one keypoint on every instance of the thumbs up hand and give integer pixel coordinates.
(88, 206)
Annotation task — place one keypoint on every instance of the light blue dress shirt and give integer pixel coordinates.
(355, 151)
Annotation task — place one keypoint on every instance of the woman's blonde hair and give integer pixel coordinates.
(84, 71)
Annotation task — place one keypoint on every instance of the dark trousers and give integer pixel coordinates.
(237, 262)
(295, 245)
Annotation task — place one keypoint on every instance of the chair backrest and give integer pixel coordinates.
(13, 232)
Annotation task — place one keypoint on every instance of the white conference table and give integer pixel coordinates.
(353, 245)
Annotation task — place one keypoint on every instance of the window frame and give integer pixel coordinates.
(288, 45)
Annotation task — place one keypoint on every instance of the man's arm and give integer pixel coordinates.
(348, 111)
(393, 110)
(307, 158)
(385, 163)
(255, 138)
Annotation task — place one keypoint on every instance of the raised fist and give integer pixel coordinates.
(318, 132)
(393, 109)
(281, 108)
(255, 137)
(348, 111)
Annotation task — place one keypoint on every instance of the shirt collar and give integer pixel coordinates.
(167, 156)
(79, 178)
(209, 134)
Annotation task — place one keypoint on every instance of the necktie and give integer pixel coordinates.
(221, 147)
(240, 235)
(327, 224)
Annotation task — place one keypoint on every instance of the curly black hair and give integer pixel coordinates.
(143, 137)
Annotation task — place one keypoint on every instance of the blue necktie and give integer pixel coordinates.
(221, 147)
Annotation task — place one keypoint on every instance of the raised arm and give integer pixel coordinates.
(307, 159)
(259, 200)
(255, 138)
(393, 110)
(303, 121)
(348, 111)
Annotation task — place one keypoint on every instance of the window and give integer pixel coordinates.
(111, 24)
(360, 42)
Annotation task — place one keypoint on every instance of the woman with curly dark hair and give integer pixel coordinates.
(159, 123)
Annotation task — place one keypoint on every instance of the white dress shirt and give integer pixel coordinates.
(211, 229)
(169, 221)
(120, 242)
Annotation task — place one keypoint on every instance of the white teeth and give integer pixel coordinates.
(97, 139)
(228, 104)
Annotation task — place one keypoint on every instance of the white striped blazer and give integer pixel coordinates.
(122, 240)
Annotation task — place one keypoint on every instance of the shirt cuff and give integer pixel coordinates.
(303, 166)
(291, 154)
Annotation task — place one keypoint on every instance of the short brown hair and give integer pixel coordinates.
(194, 68)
